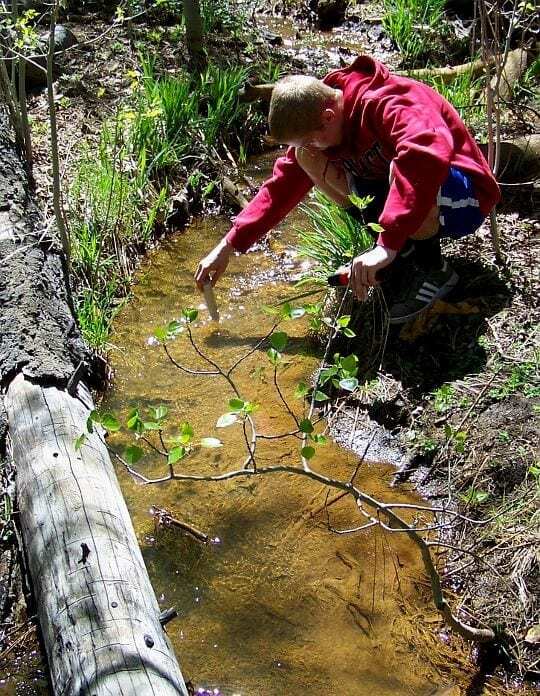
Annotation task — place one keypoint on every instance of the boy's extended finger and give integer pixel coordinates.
(201, 277)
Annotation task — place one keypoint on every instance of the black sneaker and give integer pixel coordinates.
(427, 286)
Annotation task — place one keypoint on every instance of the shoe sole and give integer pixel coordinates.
(443, 291)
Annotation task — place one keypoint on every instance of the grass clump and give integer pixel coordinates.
(184, 117)
(333, 240)
(178, 129)
(413, 24)
(463, 93)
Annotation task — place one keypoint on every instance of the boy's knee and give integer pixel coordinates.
(313, 163)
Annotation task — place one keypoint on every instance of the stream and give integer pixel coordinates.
(277, 604)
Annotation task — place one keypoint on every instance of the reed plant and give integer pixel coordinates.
(113, 209)
(182, 117)
(464, 92)
(413, 24)
(332, 240)
(177, 125)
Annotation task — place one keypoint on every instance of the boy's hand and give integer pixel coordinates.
(364, 269)
(212, 267)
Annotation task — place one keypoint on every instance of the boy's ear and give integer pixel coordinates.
(328, 115)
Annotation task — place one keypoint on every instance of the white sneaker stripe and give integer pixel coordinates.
(423, 296)
(425, 300)
(429, 286)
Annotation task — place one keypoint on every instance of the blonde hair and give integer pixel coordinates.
(297, 105)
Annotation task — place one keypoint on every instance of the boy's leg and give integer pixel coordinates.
(458, 215)
(326, 176)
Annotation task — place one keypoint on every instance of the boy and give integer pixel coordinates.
(366, 131)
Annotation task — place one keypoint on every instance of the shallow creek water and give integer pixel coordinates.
(279, 604)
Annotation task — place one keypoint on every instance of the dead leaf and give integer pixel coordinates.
(533, 635)
(421, 325)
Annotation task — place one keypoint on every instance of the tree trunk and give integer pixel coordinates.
(194, 33)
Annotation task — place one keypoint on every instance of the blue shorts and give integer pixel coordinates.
(459, 213)
(459, 210)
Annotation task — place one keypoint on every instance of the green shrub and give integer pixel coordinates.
(462, 92)
(333, 239)
(413, 24)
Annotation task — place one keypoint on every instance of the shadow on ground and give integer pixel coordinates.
(440, 346)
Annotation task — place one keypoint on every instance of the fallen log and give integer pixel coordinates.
(97, 611)
(519, 159)
(515, 64)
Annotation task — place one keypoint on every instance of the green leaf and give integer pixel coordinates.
(307, 452)
(159, 413)
(273, 356)
(313, 308)
(110, 422)
(190, 315)
(301, 390)
(151, 425)
(250, 407)
(286, 311)
(236, 404)
(174, 328)
(133, 454)
(375, 227)
(94, 416)
(279, 340)
(186, 433)
(226, 419)
(344, 320)
(79, 442)
(326, 374)
(349, 384)
(320, 396)
(176, 454)
(211, 442)
(134, 422)
(319, 439)
(90, 424)
(306, 426)
(349, 333)
(349, 363)
(160, 334)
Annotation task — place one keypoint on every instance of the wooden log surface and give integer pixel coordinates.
(96, 606)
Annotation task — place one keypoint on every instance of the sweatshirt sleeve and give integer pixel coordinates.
(423, 148)
(279, 194)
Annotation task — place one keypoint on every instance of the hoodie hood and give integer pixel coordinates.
(364, 73)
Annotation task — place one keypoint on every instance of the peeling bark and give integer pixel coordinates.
(38, 335)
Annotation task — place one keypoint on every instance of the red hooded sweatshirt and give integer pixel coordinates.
(387, 119)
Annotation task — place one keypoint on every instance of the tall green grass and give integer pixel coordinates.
(177, 127)
(463, 93)
(179, 118)
(112, 213)
(333, 239)
(413, 24)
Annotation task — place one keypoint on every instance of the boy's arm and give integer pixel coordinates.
(279, 194)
